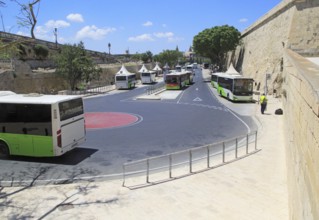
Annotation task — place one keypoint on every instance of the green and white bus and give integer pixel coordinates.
(214, 79)
(177, 80)
(235, 87)
(40, 125)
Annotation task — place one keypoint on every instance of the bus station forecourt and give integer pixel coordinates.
(254, 187)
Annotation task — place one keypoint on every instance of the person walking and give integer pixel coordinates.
(263, 103)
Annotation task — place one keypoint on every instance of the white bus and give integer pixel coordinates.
(148, 77)
(190, 68)
(40, 125)
(124, 79)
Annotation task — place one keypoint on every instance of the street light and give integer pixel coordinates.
(56, 37)
(109, 45)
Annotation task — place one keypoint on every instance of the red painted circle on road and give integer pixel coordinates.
(98, 120)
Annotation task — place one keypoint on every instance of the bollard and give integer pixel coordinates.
(190, 161)
(236, 149)
(123, 184)
(170, 166)
(147, 170)
(247, 143)
(223, 152)
(208, 157)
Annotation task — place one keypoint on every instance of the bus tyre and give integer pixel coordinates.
(4, 150)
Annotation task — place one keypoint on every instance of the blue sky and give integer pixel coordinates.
(134, 25)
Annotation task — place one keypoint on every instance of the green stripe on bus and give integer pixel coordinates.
(28, 145)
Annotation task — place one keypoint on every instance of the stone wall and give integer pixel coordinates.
(274, 45)
(301, 102)
(25, 79)
(291, 24)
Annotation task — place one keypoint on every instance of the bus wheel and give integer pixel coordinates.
(227, 95)
(4, 150)
(220, 92)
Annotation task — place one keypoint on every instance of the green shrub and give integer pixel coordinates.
(41, 51)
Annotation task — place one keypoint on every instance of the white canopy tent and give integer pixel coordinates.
(157, 67)
(231, 70)
(123, 71)
(143, 69)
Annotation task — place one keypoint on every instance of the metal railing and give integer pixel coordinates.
(171, 166)
(90, 91)
(155, 88)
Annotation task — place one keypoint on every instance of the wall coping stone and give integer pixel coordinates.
(308, 69)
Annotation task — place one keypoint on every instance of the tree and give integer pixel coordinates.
(149, 55)
(214, 43)
(75, 65)
(28, 18)
(144, 57)
(171, 57)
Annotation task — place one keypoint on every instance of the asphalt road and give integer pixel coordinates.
(194, 118)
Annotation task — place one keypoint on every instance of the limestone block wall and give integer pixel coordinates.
(301, 104)
(292, 24)
(304, 33)
(277, 44)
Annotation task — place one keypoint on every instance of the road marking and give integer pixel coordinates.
(197, 100)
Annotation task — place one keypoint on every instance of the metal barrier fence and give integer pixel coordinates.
(155, 88)
(91, 90)
(166, 167)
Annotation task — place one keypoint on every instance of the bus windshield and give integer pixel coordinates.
(146, 74)
(243, 86)
(120, 78)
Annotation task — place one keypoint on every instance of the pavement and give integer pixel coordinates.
(254, 187)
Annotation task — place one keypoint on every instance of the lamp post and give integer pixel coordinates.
(109, 45)
(56, 37)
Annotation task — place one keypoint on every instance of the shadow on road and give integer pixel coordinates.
(73, 157)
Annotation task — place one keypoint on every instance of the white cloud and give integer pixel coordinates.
(148, 23)
(140, 38)
(51, 24)
(175, 39)
(164, 34)
(23, 33)
(75, 18)
(93, 32)
(243, 20)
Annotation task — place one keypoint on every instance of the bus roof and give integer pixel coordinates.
(35, 98)
(231, 76)
(175, 73)
(235, 77)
